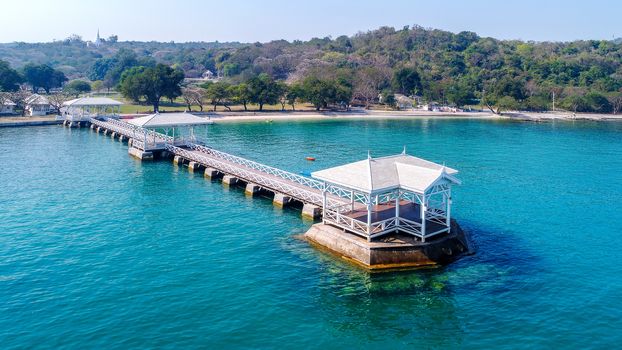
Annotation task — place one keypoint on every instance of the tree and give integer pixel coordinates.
(97, 85)
(151, 83)
(294, 93)
(263, 90)
(19, 98)
(192, 96)
(368, 82)
(282, 90)
(406, 81)
(575, 103)
(616, 102)
(218, 92)
(597, 102)
(321, 93)
(506, 103)
(77, 87)
(43, 76)
(57, 100)
(9, 77)
(113, 39)
(503, 94)
(241, 93)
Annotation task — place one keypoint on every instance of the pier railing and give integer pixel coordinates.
(299, 187)
(269, 181)
(305, 181)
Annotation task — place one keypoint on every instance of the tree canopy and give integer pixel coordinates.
(151, 84)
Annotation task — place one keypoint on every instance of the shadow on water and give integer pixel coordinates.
(406, 305)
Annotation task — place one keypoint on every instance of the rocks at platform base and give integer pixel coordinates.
(393, 251)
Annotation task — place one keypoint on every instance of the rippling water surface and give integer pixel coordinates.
(98, 250)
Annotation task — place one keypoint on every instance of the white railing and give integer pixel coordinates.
(305, 181)
(296, 190)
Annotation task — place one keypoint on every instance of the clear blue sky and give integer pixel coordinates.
(250, 21)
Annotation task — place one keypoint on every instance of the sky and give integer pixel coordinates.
(261, 21)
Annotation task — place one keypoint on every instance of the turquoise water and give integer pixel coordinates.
(98, 250)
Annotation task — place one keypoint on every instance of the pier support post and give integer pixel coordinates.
(280, 200)
(105, 132)
(192, 166)
(310, 211)
(92, 126)
(252, 189)
(122, 138)
(98, 129)
(178, 160)
(113, 135)
(229, 180)
(210, 173)
(140, 154)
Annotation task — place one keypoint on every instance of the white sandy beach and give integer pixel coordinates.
(220, 117)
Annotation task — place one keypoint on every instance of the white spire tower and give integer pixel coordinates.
(98, 41)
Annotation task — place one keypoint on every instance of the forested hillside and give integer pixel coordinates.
(454, 69)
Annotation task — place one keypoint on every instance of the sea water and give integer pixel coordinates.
(98, 250)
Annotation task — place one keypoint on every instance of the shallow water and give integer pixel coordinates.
(98, 250)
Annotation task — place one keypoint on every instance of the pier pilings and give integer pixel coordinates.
(280, 200)
(229, 180)
(252, 189)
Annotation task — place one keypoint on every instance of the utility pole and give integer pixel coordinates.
(553, 101)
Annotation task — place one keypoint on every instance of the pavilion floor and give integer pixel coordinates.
(408, 210)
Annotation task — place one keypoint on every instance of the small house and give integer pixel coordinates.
(37, 105)
(7, 107)
(403, 101)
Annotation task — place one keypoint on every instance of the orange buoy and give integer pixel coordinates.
(310, 159)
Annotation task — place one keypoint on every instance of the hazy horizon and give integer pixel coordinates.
(247, 22)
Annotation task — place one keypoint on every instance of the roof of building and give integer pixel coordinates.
(374, 175)
(92, 101)
(8, 103)
(163, 120)
(36, 99)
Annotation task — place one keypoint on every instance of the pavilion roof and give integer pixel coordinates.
(92, 101)
(164, 120)
(375, 175)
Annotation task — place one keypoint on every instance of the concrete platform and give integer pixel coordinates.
(139, 154)
(393, 251)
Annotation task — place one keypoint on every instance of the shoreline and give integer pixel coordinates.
(228, 117)
(270, 116)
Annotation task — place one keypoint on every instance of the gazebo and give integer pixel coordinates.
(84, 108)
(379, 196)
(154, 131)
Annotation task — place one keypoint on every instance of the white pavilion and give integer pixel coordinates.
(84, 108)
(156, 130)
(379, 196)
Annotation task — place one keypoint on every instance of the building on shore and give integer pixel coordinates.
(37, 105)
(7, 107)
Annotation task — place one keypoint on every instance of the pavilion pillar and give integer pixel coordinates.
(397, 207)
(448, 211)
(369, 210)
(324, 202)
(423, 210)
